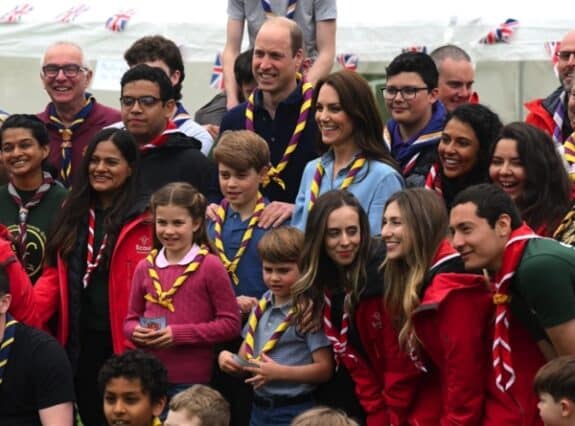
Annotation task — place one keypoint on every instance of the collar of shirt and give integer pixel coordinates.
(162, 261)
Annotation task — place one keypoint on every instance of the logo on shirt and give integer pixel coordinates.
(376, 320)
(35, 249)
(144, 245)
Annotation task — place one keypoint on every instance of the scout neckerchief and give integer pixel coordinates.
(91, 263)
(558, 115)
(337, 338)
(356, 166)
(266, 4)
(162, 138)
(255, 317)
(274, 172)
(180, 115)
(164, 298)
(433, 179)
(502, 365)
(66, 132)
(232, 265)
(413, 153)
(569, 155)
(24, 210)
(6, 344)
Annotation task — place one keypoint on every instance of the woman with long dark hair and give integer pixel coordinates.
(526, 165)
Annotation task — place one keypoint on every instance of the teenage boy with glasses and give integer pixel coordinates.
(414, 129)
(73, 116)
(167, 155)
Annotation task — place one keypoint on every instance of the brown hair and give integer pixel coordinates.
(203, 402)
(323, 416)
(557, 378)
(425, 224)
(184, 195)
(281, 245)
(358, 102)
(242, 150)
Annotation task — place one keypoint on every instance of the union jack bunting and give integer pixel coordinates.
(71, 14)
(421, 49)
(119, 21)
(552, 48)
(15, 15)
(348, 61)
(501, 34)
(217, 79)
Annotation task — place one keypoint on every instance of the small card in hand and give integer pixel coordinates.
(153, 323)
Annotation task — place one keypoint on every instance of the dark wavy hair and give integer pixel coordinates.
(74, 213)
(357, 100)
(546, 196)
(486, 125)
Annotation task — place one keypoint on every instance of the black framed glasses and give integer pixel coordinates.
(565, 55)
(143, 101)
(408, 92)
(69, 70)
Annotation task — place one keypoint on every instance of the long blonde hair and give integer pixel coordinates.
(425, 225)
(318, 272)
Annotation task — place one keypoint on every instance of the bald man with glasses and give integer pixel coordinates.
(73, 115)
(550, 114)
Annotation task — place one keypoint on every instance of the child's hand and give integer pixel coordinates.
(246, 303)
(161, 338)
(228, 364)
(141, 336)
(266, 371)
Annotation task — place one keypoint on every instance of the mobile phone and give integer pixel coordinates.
(242, 362)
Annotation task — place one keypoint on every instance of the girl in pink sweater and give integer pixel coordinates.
(181, 302)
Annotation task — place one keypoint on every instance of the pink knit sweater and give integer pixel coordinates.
(206, 313)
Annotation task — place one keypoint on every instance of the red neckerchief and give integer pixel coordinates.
(512, 254)
(433, 179)
(92, 264)
(161, 139)
(337, 338)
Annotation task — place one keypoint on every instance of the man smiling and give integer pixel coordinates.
(73, 116)
(166, 154)
(534, 282)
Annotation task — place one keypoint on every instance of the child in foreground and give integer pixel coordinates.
(134, 385)
(199, 405)
(284, 364)
(323, 416)
(555, 385)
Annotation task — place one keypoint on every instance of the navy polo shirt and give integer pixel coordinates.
(277, 132)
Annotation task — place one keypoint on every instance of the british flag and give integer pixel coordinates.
(119, 21)
(15, 15)
(217, 79)
(552, 48)
(421, 49)
(71, 14)
(348, 61)
(501, 34)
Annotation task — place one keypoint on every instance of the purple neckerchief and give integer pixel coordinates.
(403, 151)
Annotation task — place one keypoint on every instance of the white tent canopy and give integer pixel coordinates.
(374, 30)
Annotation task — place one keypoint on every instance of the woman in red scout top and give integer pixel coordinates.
(441, 315)
(96, 242)
(338, 260)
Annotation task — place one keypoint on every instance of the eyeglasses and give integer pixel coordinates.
(407, 93)
(143, 101)
(565, 55)
(69, 70)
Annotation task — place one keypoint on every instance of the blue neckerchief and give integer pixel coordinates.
(6, 345)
